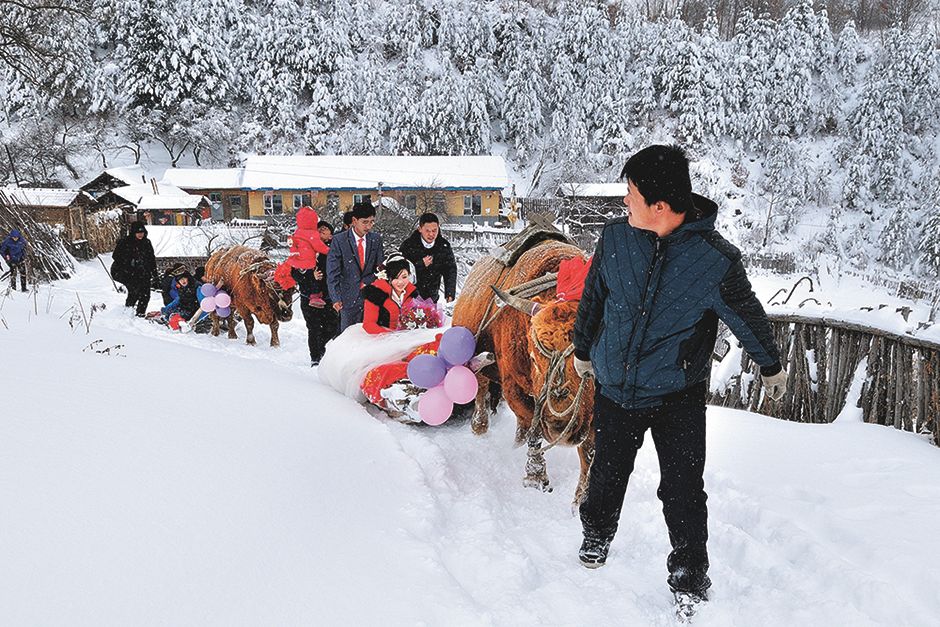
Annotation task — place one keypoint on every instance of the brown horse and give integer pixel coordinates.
(534, 371)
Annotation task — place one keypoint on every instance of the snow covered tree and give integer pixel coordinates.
(929, 246)
(877, 127)
(522, 103)
(895, 239)
(847, 54)
(318, 118)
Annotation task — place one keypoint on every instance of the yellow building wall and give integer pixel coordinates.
(453, 199)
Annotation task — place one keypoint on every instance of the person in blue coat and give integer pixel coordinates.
(354, 256)
(660, 280)
(13, 251)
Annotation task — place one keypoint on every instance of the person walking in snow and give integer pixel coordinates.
(351, 264)
(13, 251)
(433, 259)
(321, 319)
(135, 265)
(660, 280)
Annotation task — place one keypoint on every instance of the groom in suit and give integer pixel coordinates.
(352, 262)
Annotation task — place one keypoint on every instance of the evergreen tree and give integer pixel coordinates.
(929, 246)
(522, 103)
(895, 240)
(847, 55)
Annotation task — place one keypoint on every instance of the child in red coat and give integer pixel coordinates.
(305, 243)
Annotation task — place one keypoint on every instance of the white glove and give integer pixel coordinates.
(776, 385)
(583, 367)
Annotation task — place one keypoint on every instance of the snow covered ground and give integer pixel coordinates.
(191, 480)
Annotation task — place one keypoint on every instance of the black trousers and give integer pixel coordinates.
(14, 268)
(678, 429)
(322, 326)
(138, 295)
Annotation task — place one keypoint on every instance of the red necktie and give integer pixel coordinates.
(362, 253)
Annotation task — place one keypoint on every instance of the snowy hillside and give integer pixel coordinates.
(813, 133)
(191, 480)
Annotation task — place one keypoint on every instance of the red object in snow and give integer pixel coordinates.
(305, 242)
(174, 321)
(283, 277)
(383, 376)
(571, 275)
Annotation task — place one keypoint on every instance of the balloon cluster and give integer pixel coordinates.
(214, 299)
(445, 376)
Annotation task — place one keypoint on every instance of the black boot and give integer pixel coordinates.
(593, 553)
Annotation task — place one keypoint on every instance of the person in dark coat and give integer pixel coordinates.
(351, 264)
(321, 319)
(659, 281)
(135, 265)
(432, 258)
(13, 251)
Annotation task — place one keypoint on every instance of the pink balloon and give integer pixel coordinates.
(434, 407)
(461, 384)
(207, 304)
(222, 300)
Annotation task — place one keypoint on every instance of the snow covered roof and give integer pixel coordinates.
(597, 190)
(189, 201)
(338, 172)
(132, 174)
(43, 196)
(197, 178)
(194, 241)
(169, 196)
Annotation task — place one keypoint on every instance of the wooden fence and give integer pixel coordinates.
(822, 356)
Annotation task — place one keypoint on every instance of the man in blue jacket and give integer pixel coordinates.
(660, 280)
(13, 251)
(351, 264)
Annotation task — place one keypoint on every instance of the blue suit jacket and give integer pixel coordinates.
(343, 274)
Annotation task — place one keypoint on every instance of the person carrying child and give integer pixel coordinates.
(321, 319)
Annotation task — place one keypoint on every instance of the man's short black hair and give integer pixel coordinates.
(363, 210)
(427, 218)
(347, 218)
(661, 173)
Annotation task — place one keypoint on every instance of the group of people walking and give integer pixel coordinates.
(352, 281)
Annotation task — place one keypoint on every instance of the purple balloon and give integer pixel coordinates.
(208, 289)
(207, 304)
(223, 312)
(222, 299)
(426, 371)
(457, 346)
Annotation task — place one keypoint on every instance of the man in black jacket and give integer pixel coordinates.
(432, 258)
(135, 265)
(659, 282)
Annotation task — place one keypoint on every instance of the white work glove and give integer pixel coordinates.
(775, 385)
(583, 367)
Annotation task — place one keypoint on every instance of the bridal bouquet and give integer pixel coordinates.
(421, 313)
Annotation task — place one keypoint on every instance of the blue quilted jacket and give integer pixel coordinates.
(649, 314)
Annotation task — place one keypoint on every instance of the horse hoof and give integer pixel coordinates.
(539, 483)
(479, 427)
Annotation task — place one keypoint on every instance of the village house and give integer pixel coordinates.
(156, 203)
(222, 186)
(64, 209)
(463, 188)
